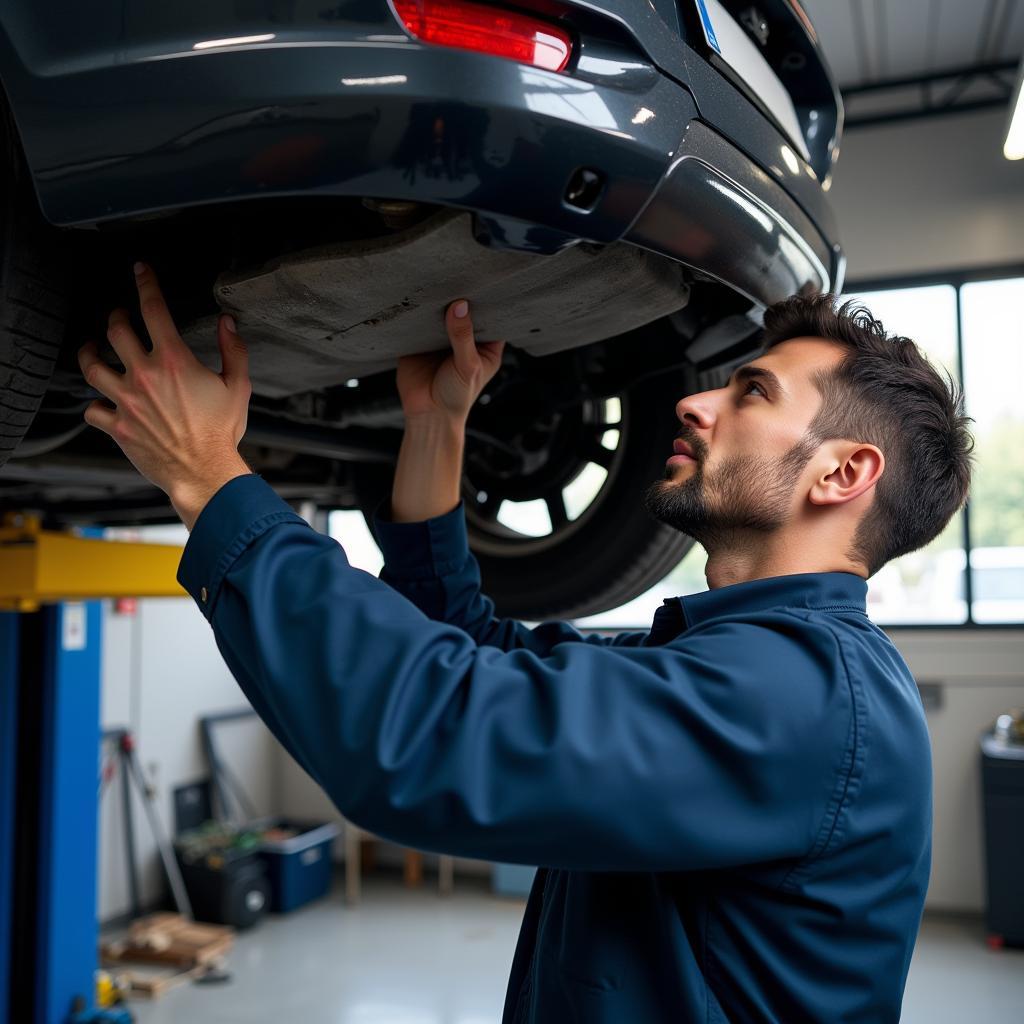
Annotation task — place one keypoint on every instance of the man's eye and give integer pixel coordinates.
(754, 384)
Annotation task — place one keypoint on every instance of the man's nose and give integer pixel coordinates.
(696, 410)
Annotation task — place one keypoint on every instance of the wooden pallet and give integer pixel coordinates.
(170, 939)
(151, 981)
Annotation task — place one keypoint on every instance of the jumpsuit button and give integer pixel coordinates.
(202, 593)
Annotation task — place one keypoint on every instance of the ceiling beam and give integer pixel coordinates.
(931, 78)
(930, 101)
(889, 117)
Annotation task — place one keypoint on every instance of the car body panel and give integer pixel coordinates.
(740, 208)
(123, 115)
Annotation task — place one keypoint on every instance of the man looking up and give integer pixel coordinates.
(732, 810)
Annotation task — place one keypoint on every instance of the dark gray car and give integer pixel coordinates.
(619, 187)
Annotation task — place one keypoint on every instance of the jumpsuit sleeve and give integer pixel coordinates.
(721, 752)
(430, 563)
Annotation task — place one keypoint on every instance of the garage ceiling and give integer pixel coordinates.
(957, 54)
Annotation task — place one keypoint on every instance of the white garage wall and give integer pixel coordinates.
(980, 674)
(161, 672)
(934, 194)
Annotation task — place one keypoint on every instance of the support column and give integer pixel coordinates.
(54, 958)
(8, 792)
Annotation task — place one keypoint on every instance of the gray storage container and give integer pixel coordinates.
(1002, 774)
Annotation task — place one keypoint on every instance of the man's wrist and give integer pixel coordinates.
(436, 423)
(429, 468)
(190, 496)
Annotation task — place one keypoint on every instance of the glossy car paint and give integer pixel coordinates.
(121, 113)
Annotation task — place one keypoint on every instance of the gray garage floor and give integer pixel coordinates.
(410, 957)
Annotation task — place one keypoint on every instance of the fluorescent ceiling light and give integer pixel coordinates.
(1013, 148)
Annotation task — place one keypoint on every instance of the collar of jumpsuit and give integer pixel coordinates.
(731, 812)
(820, 590)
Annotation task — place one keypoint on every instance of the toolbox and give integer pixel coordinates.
(297, 856)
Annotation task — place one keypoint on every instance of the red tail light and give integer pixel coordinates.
(501, 33)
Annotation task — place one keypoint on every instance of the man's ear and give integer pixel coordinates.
(855, 468)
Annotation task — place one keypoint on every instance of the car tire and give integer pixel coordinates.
(613, 551)
(32, 295)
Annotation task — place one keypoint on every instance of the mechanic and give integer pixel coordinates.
(732, 811)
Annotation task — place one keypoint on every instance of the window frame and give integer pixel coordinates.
(957, 279)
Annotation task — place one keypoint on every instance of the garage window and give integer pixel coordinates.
(925, 586)
(973, 326)
(992, 314)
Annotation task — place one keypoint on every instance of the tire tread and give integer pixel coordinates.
(31, 294)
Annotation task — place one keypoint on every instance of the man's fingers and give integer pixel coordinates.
(491, 352)
(234, 356)
(460, 334)
(157, 317)
(100, 415)
(123, 339)
(97, 374)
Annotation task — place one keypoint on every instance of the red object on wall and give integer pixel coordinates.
(126, 605)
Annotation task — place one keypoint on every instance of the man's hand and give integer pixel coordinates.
(178, 422)
(447, 384)
(437, 391)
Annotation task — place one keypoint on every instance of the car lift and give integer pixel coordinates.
(50, 625)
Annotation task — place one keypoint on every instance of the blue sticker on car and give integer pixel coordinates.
(709, 30)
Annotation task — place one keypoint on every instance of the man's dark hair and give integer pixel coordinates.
(885, 393)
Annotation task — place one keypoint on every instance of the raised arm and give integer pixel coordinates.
(680, 757)
(437, 390)
(427, 558)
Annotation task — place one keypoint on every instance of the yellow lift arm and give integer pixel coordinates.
(40, 566)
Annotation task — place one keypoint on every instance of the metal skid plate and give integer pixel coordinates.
(323, 316)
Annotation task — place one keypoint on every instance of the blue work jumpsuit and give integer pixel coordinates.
(731, 812)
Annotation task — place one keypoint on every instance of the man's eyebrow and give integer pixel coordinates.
(750, 372)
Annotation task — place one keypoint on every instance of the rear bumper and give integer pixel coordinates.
(718, 212)
(351, 118)
(390, 117)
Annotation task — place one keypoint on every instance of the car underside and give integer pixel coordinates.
(624, 268)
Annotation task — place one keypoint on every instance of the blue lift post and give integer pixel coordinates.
(68, 832)
(54, 945)
(8, 790)
(49, 759)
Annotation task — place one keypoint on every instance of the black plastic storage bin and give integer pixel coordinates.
(226, 885)
(298, 866)
(1002, 773)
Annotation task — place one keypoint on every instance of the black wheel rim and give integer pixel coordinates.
(530, 491)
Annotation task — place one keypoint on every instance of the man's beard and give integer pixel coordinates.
(746, 494)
